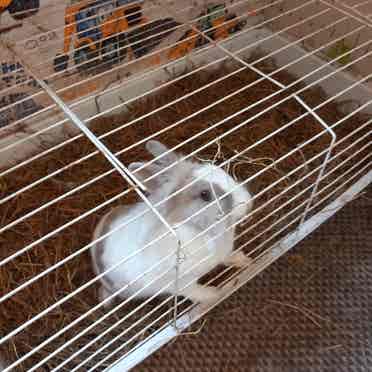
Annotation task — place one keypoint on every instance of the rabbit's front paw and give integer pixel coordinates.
(238, 259)
(211, 295)
(206, 295)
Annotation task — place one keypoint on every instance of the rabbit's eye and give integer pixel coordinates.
(206, 195)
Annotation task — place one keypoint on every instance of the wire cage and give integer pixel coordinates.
(361, 8)
(156, 156)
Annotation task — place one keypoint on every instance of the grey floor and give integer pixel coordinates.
(310, 311)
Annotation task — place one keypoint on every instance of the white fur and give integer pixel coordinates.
(131, 240)
(242, 198)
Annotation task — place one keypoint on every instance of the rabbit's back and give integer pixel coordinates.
(135, 249)
(145, 260)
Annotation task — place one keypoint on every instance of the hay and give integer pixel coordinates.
(59, 283)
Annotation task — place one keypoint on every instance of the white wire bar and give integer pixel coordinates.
(362, 3)
(362, 8)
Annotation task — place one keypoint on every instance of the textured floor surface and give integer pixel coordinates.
(310, 311)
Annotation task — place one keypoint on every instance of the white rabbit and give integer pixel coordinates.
(132, 242)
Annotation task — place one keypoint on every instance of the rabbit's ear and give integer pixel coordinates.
(146, 172)
(157, 149)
